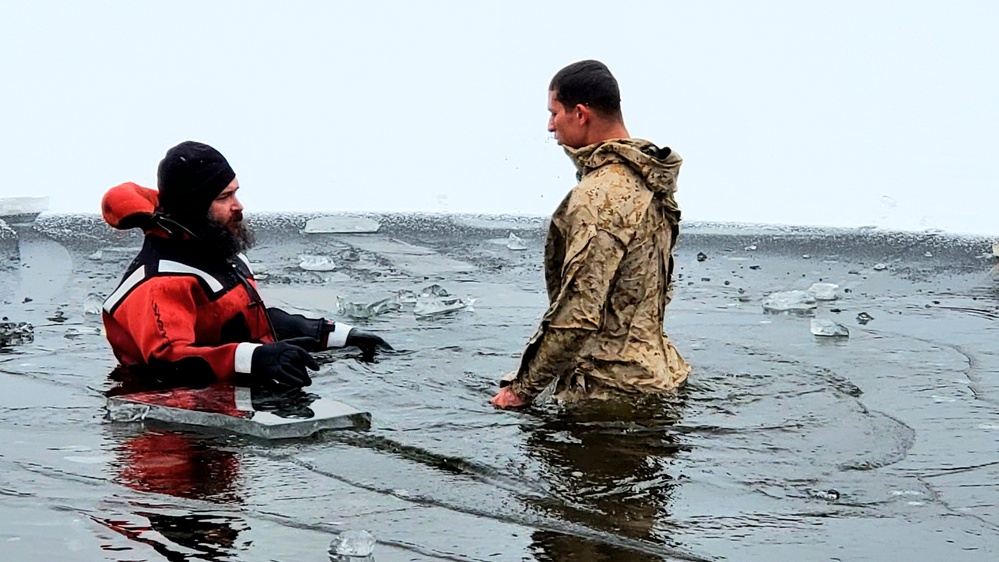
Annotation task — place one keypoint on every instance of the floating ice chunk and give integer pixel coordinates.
(431, 300)
(429, 305)
(93, 304)
(15, 333)
(751, 248)
(995, 249)
(822, 327)
(259, 270)
(74, 333)
(316, 263)
(257, 412)
(434, 290)
(348, 254)
(789, 301)
(515, 243)
(829, 495)
(880, 267)
(97, 256)
(340, 225)
(361, 310)
(405, 296)
(824, 291)
(352, 546)
(126, 412)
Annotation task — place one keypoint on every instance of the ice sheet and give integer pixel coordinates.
(240, 410)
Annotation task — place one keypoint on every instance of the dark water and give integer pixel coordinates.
(784, 446)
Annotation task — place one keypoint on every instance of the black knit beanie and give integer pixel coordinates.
(190, 177)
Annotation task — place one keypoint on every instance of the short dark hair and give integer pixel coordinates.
(590, 83)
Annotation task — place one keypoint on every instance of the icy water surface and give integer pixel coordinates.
(883, 445)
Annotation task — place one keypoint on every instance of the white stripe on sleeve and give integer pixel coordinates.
(244, 357)
(338, 337)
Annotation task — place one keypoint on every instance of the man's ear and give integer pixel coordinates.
(583, 113)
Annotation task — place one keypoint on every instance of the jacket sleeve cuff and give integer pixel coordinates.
(243, 360)
(337, 337)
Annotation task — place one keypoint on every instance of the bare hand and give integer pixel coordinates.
(507, 398)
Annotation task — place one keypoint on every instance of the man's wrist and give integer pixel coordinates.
(243, 357)
(336, 335)
(520, 391)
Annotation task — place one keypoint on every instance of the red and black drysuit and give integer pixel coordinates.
(184, 313)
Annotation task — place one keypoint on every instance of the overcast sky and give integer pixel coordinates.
(846, 113)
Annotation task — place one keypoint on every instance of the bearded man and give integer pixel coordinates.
(187, 309)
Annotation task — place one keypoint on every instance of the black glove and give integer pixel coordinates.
(287, 326)
(344, 335)
(283, 361)
(367, 343)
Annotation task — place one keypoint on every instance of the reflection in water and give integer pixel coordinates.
(178, 464)
(182, 465)
(608, 464)
(192, 536)
(285, 402)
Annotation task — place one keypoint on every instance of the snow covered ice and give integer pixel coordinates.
(340, 225)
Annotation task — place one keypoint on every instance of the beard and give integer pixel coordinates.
(228, 239)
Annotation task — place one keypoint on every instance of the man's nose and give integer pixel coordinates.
(236, 205)
(551, 124)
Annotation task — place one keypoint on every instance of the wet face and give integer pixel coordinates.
(566, 123)
(226, 210)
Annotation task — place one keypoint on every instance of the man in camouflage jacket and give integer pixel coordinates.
(608, 257)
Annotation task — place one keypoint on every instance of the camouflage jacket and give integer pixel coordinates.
(608, 268)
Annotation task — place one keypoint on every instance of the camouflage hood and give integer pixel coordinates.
(659, 167)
